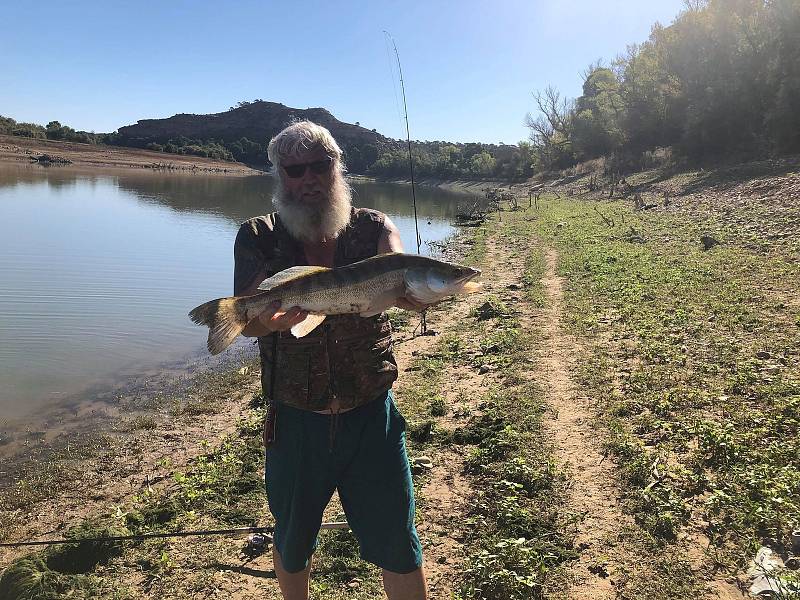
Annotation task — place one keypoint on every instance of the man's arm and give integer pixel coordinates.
(249, 271)
(390, 242)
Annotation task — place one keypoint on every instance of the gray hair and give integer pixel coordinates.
(300, 138)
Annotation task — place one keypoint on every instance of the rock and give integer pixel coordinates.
(763, 582)
(708, 242)
(763, 354)
(487, 310)
(513, 286)
(484, 369)
(420, 464)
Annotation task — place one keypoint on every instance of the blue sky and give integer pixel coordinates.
(469, 66)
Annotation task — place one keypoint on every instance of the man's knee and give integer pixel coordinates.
(405, 586)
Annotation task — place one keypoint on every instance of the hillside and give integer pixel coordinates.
(256, 122)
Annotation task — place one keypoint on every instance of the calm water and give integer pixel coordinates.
(98, 269)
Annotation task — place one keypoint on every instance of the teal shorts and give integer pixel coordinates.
(361, 453)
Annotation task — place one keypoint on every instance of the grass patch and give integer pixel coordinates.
(694, 358)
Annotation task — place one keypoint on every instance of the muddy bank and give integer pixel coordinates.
(74, 460)
(21, 150)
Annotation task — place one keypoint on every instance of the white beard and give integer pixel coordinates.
(313, 223)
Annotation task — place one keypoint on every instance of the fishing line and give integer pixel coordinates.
(410, 160)
(150, 536)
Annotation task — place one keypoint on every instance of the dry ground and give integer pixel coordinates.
(21, 150)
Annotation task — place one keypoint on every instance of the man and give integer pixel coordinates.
(332, 424)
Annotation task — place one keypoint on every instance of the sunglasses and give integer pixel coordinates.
(318, 168)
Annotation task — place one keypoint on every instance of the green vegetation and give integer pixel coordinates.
(205, 148)
(515, 531)
(722, 80)
(11, 127)
(446, 160)
(694, 363)
(53, 131)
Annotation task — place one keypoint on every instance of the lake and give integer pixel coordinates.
(99, 268)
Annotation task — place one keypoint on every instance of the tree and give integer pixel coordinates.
(54, 130)
(551, 130)
(599, 113)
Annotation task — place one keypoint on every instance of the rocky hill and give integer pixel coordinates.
(253, 122)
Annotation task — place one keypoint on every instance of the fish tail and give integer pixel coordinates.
(225, 318)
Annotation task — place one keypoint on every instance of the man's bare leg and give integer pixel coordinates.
(294, 586)
(405, 586)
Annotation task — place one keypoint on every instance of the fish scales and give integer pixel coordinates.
(352, 295)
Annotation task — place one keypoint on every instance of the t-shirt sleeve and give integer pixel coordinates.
(249, 262)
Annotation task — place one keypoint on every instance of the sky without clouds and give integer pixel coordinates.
(470, 66)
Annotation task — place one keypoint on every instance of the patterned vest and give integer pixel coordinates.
(347, 357)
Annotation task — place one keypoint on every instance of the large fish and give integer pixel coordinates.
(366, 288)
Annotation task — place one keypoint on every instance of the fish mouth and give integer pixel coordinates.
(465, 283)
(469, 276)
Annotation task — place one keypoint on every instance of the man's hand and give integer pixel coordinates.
(272, 320)
(411, 304)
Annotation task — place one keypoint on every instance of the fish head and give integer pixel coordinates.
(433, 282)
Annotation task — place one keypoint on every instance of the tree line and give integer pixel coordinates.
(52, 131)
(722, 81)
(447, 160)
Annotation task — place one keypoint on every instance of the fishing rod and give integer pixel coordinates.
(175, 534)
(410, 160)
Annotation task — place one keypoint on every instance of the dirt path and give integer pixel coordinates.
(593, 494)
(447, 495)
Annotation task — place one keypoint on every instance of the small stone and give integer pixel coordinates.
(708, 242)
(423, 462)
(763, 355)
(514, 286)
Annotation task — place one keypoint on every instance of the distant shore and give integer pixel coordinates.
(26, 151)
(22, 150)
(455, 185)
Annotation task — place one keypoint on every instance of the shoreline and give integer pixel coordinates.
(454, 185)
(22, 151)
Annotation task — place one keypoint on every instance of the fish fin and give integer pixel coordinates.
(307, 325)
(417, 288)
(225, 318)
(288, 275)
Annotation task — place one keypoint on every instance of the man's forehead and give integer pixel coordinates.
(305, 156)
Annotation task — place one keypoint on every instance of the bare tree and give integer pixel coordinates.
(550, 131)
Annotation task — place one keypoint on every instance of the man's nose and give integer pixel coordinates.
(308, 176)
